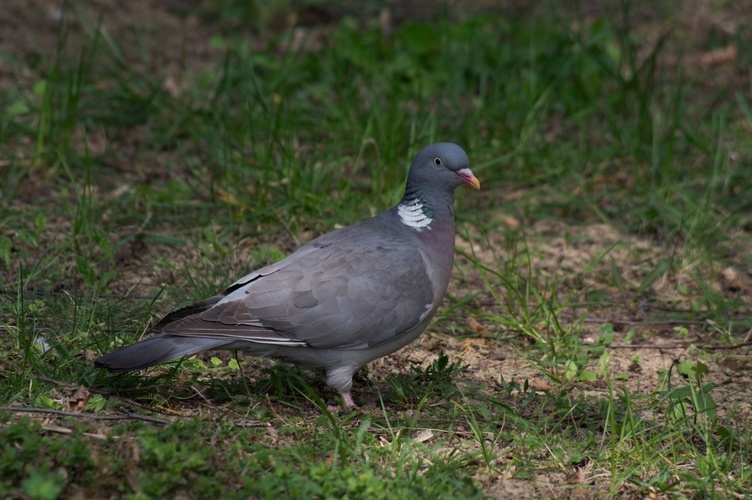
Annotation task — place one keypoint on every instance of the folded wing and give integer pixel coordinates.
(356, 294)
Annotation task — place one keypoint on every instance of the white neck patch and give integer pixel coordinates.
(412, 213)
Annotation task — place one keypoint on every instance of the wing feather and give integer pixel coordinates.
(362, 291)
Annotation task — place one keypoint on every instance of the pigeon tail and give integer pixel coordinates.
(155, 350)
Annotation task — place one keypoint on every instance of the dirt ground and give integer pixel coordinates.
(176, 38)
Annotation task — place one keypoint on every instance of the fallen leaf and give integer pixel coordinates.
(79, 398)
(423, 436)
(727, 55)
(475, 327)
(540, 385)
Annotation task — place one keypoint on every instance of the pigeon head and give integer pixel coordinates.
(429, 194)
(444, 165)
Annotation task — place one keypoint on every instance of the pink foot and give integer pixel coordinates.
(347, 398)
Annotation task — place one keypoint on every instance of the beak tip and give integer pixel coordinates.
(468, 177)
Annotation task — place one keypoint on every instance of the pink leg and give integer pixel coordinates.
(347, 397)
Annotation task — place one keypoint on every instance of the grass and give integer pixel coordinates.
(613, 228)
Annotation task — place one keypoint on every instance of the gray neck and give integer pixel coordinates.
(428, 215)
(422, 209)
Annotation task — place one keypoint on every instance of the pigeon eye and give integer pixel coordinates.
(437, 161)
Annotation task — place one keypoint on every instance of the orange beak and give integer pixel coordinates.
(468, 177)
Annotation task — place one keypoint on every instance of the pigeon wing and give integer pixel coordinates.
(357, 293)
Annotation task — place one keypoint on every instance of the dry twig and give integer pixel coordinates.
(90, 416)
